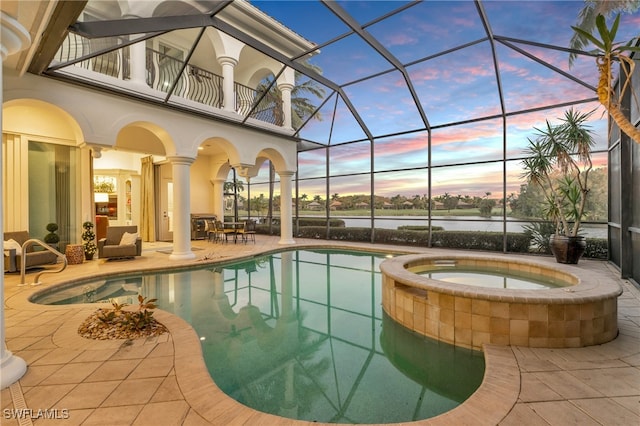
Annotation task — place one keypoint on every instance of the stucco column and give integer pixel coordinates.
(286, 217)
(181, 208)
(285, 89)
(137, 51)
(218, 198)
(13, 38)
(229, 99)
(138, 63)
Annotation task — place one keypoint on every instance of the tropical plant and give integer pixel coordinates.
(111, 315)
(137, 320)
(88, 236)
(143, 317)
(607, 53)
(540, 233)
(558, 162)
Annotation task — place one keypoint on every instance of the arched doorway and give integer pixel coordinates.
(42, 163)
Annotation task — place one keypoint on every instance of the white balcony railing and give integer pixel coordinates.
(165, 73)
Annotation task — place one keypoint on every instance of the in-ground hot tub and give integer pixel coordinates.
(578, 309)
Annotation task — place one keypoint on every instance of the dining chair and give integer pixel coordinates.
(249, 231)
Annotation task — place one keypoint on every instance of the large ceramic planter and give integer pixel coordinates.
(567, 249)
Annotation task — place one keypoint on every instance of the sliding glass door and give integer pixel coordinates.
(53, 193)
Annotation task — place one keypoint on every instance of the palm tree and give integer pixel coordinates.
(587, 19)
(607, 53)
(232, 188)
(302, 107)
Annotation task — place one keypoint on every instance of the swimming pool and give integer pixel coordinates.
(301, 334)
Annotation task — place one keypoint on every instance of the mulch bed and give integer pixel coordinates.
(95, 328)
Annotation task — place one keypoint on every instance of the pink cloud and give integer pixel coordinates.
(400, 39)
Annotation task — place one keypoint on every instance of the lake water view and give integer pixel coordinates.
(462, 223)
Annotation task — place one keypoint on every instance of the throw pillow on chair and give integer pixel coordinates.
(128, 239)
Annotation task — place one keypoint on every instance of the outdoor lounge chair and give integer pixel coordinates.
(33, 258)
(114, 246)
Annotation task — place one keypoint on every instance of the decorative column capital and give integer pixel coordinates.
(96, 150)
(245, 170)
(286, 173)
(285, 86)
(227, 60)
(181, 160)
(13, 37)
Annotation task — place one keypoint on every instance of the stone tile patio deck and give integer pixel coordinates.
(163, 380)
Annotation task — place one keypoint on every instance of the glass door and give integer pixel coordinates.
(53, 198)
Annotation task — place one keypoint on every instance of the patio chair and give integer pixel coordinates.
(248, 231)
(114, 246)
(214, 231)
(231, 228)
(13, 256)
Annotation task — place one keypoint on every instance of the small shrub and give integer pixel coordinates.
(320, 221)
(418, 236)
(597, 248)
(473, 240)
(52, 237)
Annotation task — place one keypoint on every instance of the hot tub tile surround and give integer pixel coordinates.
(582, 314)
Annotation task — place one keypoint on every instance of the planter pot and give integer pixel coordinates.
(88, 256)
(567, 249)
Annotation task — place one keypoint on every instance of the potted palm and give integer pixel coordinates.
(559, 161)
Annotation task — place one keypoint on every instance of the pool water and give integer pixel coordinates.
(301, 334)
(491, 278)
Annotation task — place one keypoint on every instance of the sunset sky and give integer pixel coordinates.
(451, 86)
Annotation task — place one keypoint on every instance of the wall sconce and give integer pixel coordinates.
(101, 197)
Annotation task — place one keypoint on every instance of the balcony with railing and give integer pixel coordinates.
(170, 75)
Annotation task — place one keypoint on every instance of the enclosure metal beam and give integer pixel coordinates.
(65, 13)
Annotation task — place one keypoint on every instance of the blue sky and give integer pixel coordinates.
(451, 86)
